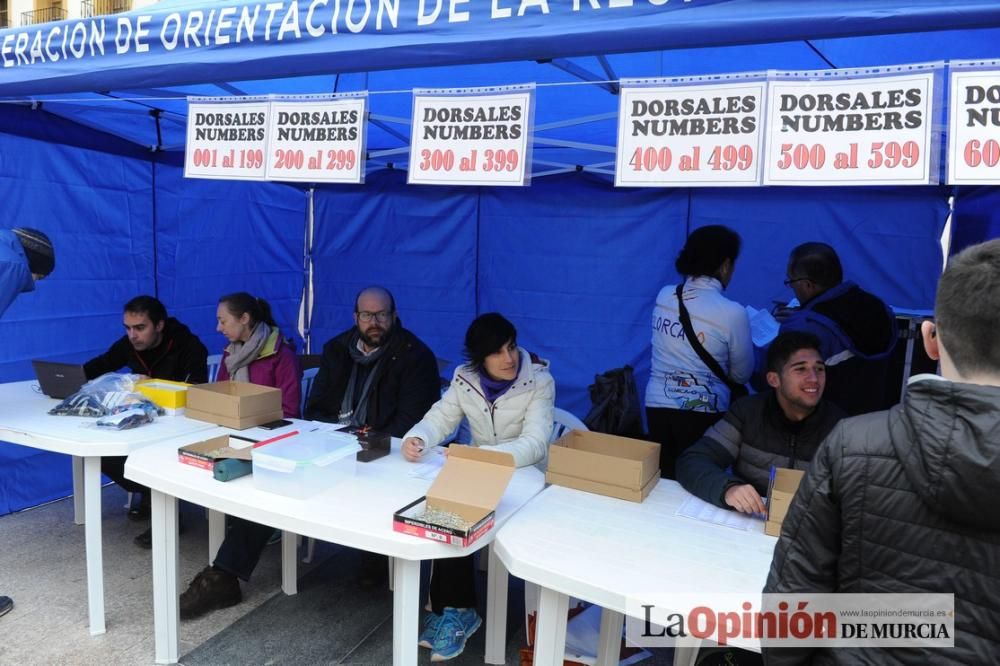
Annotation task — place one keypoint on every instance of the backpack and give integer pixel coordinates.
(615, 401)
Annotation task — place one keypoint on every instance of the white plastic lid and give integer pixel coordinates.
(316, 449)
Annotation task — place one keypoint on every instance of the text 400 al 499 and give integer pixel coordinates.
(721, 158)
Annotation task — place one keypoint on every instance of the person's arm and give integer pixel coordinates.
(439, 422)
(328, 387)
(419, 389)
(288, 378)
(701, 469)
(805, 558)
(741, 353)
(192, 362)
(533, 442)
(115, 358)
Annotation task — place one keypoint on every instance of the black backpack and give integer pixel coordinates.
(615, 401)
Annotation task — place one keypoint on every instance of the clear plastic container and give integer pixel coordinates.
(305, 464)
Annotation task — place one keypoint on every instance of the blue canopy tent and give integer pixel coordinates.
(92, 135)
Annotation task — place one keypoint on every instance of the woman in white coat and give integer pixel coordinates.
(507, 395)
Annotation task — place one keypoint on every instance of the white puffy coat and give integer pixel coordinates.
(519, 422)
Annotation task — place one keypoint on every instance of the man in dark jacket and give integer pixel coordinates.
(904, 501)
(156, 346)
(377, 373)
(856, 330)
(781, 427)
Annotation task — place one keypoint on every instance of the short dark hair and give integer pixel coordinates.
(818, 262)
(487, 334)
(785, 345)
(376, 288)
(706, 249)
(967, 309)
(242, 303)
(147, 305)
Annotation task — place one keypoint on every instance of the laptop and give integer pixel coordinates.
(57, 379)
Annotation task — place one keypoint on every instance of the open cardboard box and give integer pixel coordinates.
(781, 488)
(594, 462)
(237, 405)
(205, 454)
(471, 484)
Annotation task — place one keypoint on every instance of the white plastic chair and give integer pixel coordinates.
(564, 421)
(308, 377)
(214, 361)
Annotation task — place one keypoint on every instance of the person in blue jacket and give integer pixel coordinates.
(856, 330)
(26, 255)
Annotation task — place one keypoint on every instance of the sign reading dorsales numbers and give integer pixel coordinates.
(470, 139)
(974, 128)
(863, 131)
(226, 140)
(317, 141)
(690, 135)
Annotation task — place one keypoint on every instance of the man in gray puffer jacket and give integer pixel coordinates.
(904, 501)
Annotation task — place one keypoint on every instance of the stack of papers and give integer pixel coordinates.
(698, 509)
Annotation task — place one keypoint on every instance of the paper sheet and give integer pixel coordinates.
(694, 507)
(429, 467)
(763, 326)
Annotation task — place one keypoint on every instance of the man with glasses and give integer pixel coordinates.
(857, 331)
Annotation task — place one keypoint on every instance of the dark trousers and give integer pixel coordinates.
(676, 430)
(113, 467)
(453, 583)
(241, 549)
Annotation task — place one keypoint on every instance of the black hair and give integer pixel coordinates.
(380, 290)
(149, 306)
(706, 249)
(487, 334)
(242, 303)
(818, 262)
(967, 309)
(785, 345)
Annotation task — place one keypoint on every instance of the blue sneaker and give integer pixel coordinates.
(432, 621)
(457, 624)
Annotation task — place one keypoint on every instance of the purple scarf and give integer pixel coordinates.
(494, 388)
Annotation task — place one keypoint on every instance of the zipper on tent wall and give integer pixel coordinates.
(305, 307)
(155, 113)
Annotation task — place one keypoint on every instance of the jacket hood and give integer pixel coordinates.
(949, 446)
(863, 317)
(176, 331)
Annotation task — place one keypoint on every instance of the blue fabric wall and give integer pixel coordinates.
(977, 217)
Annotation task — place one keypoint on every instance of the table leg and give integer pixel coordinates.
(550, 628)
(405, 611)
(610, 641)
(95, 553)
(289, 562)
(216, 533)
(78, 497)
(166, 609)
(496, 609)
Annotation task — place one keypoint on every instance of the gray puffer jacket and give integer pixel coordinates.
(904, 501)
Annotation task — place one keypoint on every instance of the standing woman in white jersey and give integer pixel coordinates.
(692, 377)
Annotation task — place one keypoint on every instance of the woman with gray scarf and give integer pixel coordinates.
(257, 351)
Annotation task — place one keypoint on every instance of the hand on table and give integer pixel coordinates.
(744, 498)
(413, 448)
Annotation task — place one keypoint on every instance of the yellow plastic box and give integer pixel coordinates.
(165, 393)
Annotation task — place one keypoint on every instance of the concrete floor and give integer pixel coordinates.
(43, 568)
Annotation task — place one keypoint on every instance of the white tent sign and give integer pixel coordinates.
(317, 141)
(851, 131)
(479, 139)
(226, 140)
(974, 128)
(687, 135)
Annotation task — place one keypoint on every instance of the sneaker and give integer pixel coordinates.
(6, 605)
(457, 624)
(140, 511)
(210, 590)
(432, 622)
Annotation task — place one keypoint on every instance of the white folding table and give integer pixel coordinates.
(608, 551)
(24, 420)
(356, 513)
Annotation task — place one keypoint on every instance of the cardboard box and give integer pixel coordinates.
(471, 484)
(594, 462)
(205, 454)
(781, 488)
(238, 405)
(164, 393)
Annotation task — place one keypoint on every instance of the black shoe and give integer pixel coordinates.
(145, 539)
(210, 590)
(6, 605)
(140, 511)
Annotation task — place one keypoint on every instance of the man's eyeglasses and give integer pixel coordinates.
(383, 317)
(790, 281)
